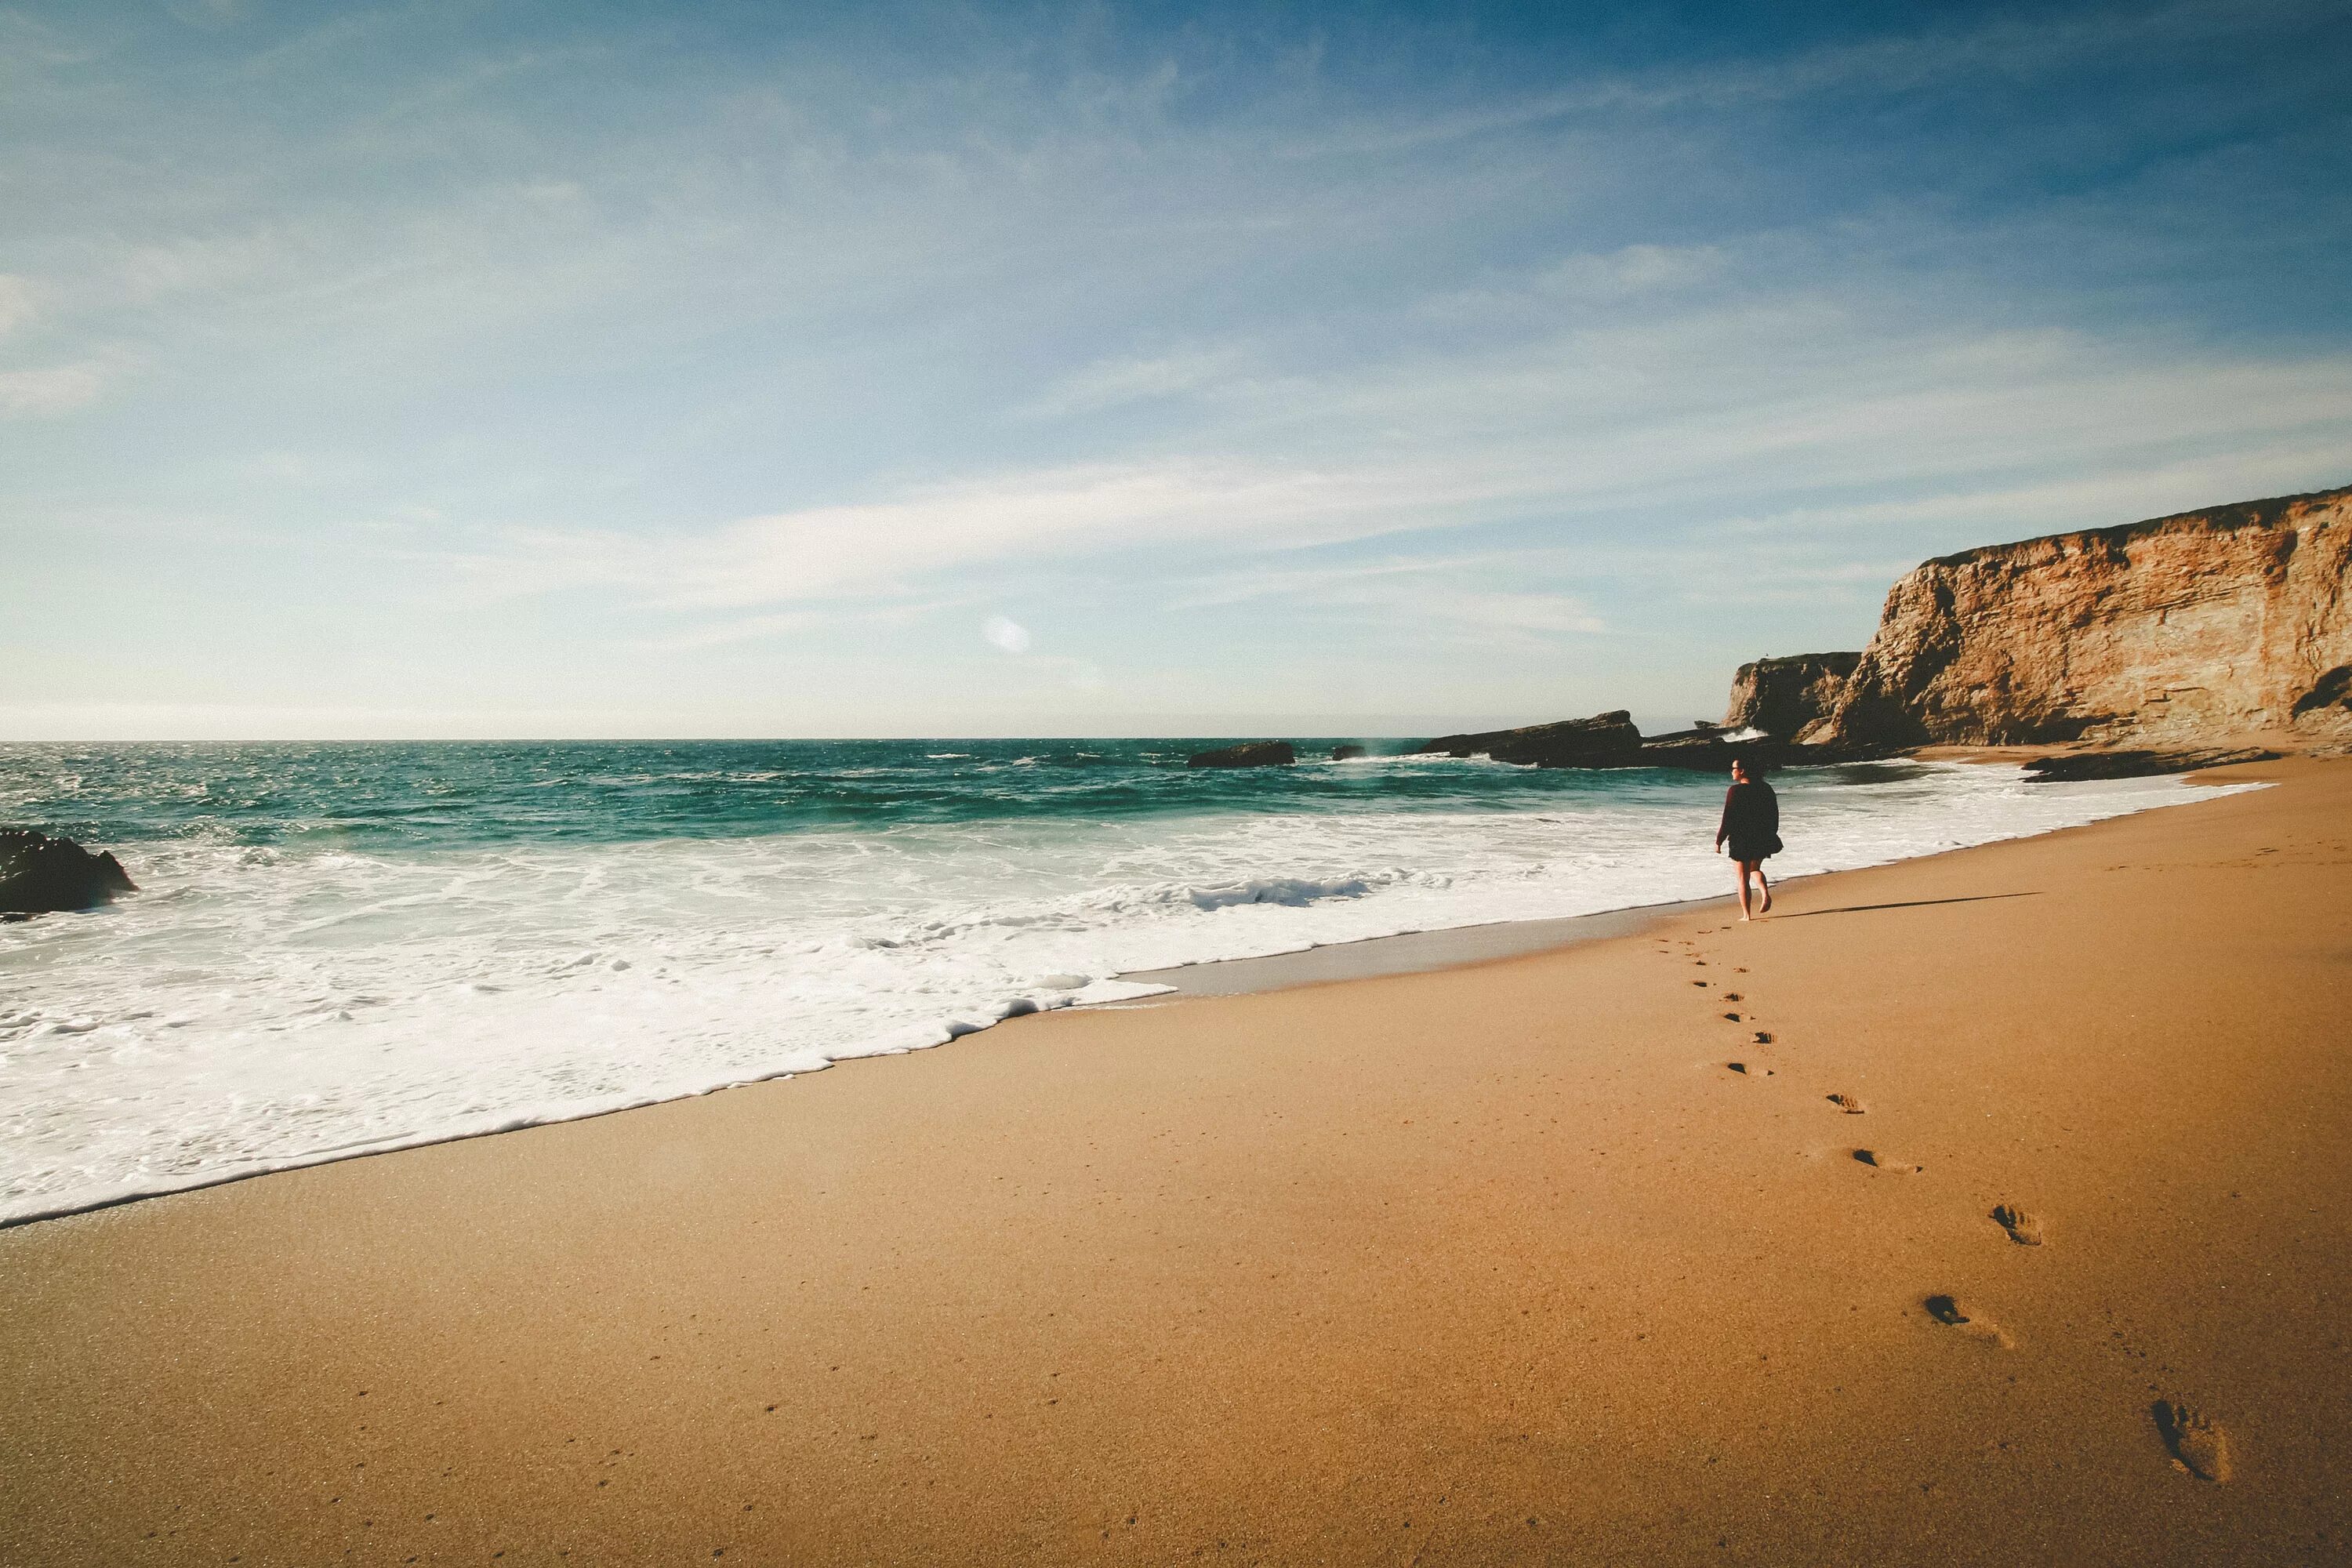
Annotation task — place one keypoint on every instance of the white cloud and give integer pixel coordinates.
(55, 391)
(828, 551)
(1405, 595)
(1686, 421)
(1110, 383)
(1007, 635)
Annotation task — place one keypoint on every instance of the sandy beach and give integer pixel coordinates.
(1562, 1258)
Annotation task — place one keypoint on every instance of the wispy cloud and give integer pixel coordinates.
(1111, 383)
(209, 13)
(1687, 419)
(1177, 339)
(16, 306)
(810, 554)
(60, 389)
(1925, 54)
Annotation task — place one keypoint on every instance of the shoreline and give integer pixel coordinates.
(1369, 957)
(1366, 958)
(1400, 953)
(1447, 947)
(1474, 1265)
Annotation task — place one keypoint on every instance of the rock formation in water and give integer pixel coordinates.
(1347, 751)
(1611, 741)
(1702, 750)
(1603, 740)
(39, 874)
(2204, 626)
(1783, 697)
(1248, 754)
(2069, 767)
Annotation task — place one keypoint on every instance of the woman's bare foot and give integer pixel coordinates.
(1765, 907)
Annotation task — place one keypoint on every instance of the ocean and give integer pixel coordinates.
(345, 948)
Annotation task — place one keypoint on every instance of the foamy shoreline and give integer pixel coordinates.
(1261, 948)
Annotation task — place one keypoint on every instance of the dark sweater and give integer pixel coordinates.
(1751, 820)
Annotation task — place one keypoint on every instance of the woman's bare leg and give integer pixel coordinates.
(1765, 907)
(1741, 869)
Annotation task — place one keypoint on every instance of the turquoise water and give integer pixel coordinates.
(395, 798)
(345, 948)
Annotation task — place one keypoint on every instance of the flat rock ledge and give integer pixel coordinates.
(2074, 766)
(1248, 754)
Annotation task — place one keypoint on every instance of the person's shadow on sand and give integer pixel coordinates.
(1911, 904)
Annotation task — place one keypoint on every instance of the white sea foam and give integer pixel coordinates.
(255, 1009)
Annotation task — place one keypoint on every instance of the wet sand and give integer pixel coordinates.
(1409, 952)
(1499, 1263)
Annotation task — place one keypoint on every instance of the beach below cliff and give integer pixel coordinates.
(1987, 1207)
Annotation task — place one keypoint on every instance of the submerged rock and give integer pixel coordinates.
(39, 874)
(1347, 752)
(1248, 754)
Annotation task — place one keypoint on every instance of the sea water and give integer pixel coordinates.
(343, 948)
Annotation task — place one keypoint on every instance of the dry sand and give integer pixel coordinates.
(1495, 1264)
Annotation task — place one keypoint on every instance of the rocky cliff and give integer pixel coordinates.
(2229, 623)
(1784, 696)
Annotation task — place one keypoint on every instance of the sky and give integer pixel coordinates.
(597, 369)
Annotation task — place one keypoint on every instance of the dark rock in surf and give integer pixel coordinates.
(1603, 740)
(1248, 754)
(2072, 766)
(1611, 741)
(1348, 753)
(39, 874)
(1704, 752)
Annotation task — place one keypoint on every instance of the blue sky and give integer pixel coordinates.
(576, 369)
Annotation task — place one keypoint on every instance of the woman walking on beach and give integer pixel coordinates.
(1751, 821)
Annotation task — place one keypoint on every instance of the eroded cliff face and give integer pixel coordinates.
(2194, 628)
(1783, 697)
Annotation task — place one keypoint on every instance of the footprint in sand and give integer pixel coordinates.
(1878, 1161)
(1948, 1312)
(1732, 1016)
(1847, 1103)
(1762, 1037)
(1744, 1068)
(2023, 1228)
(1699, 982)
(2196, 1444)
(1731, 996)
